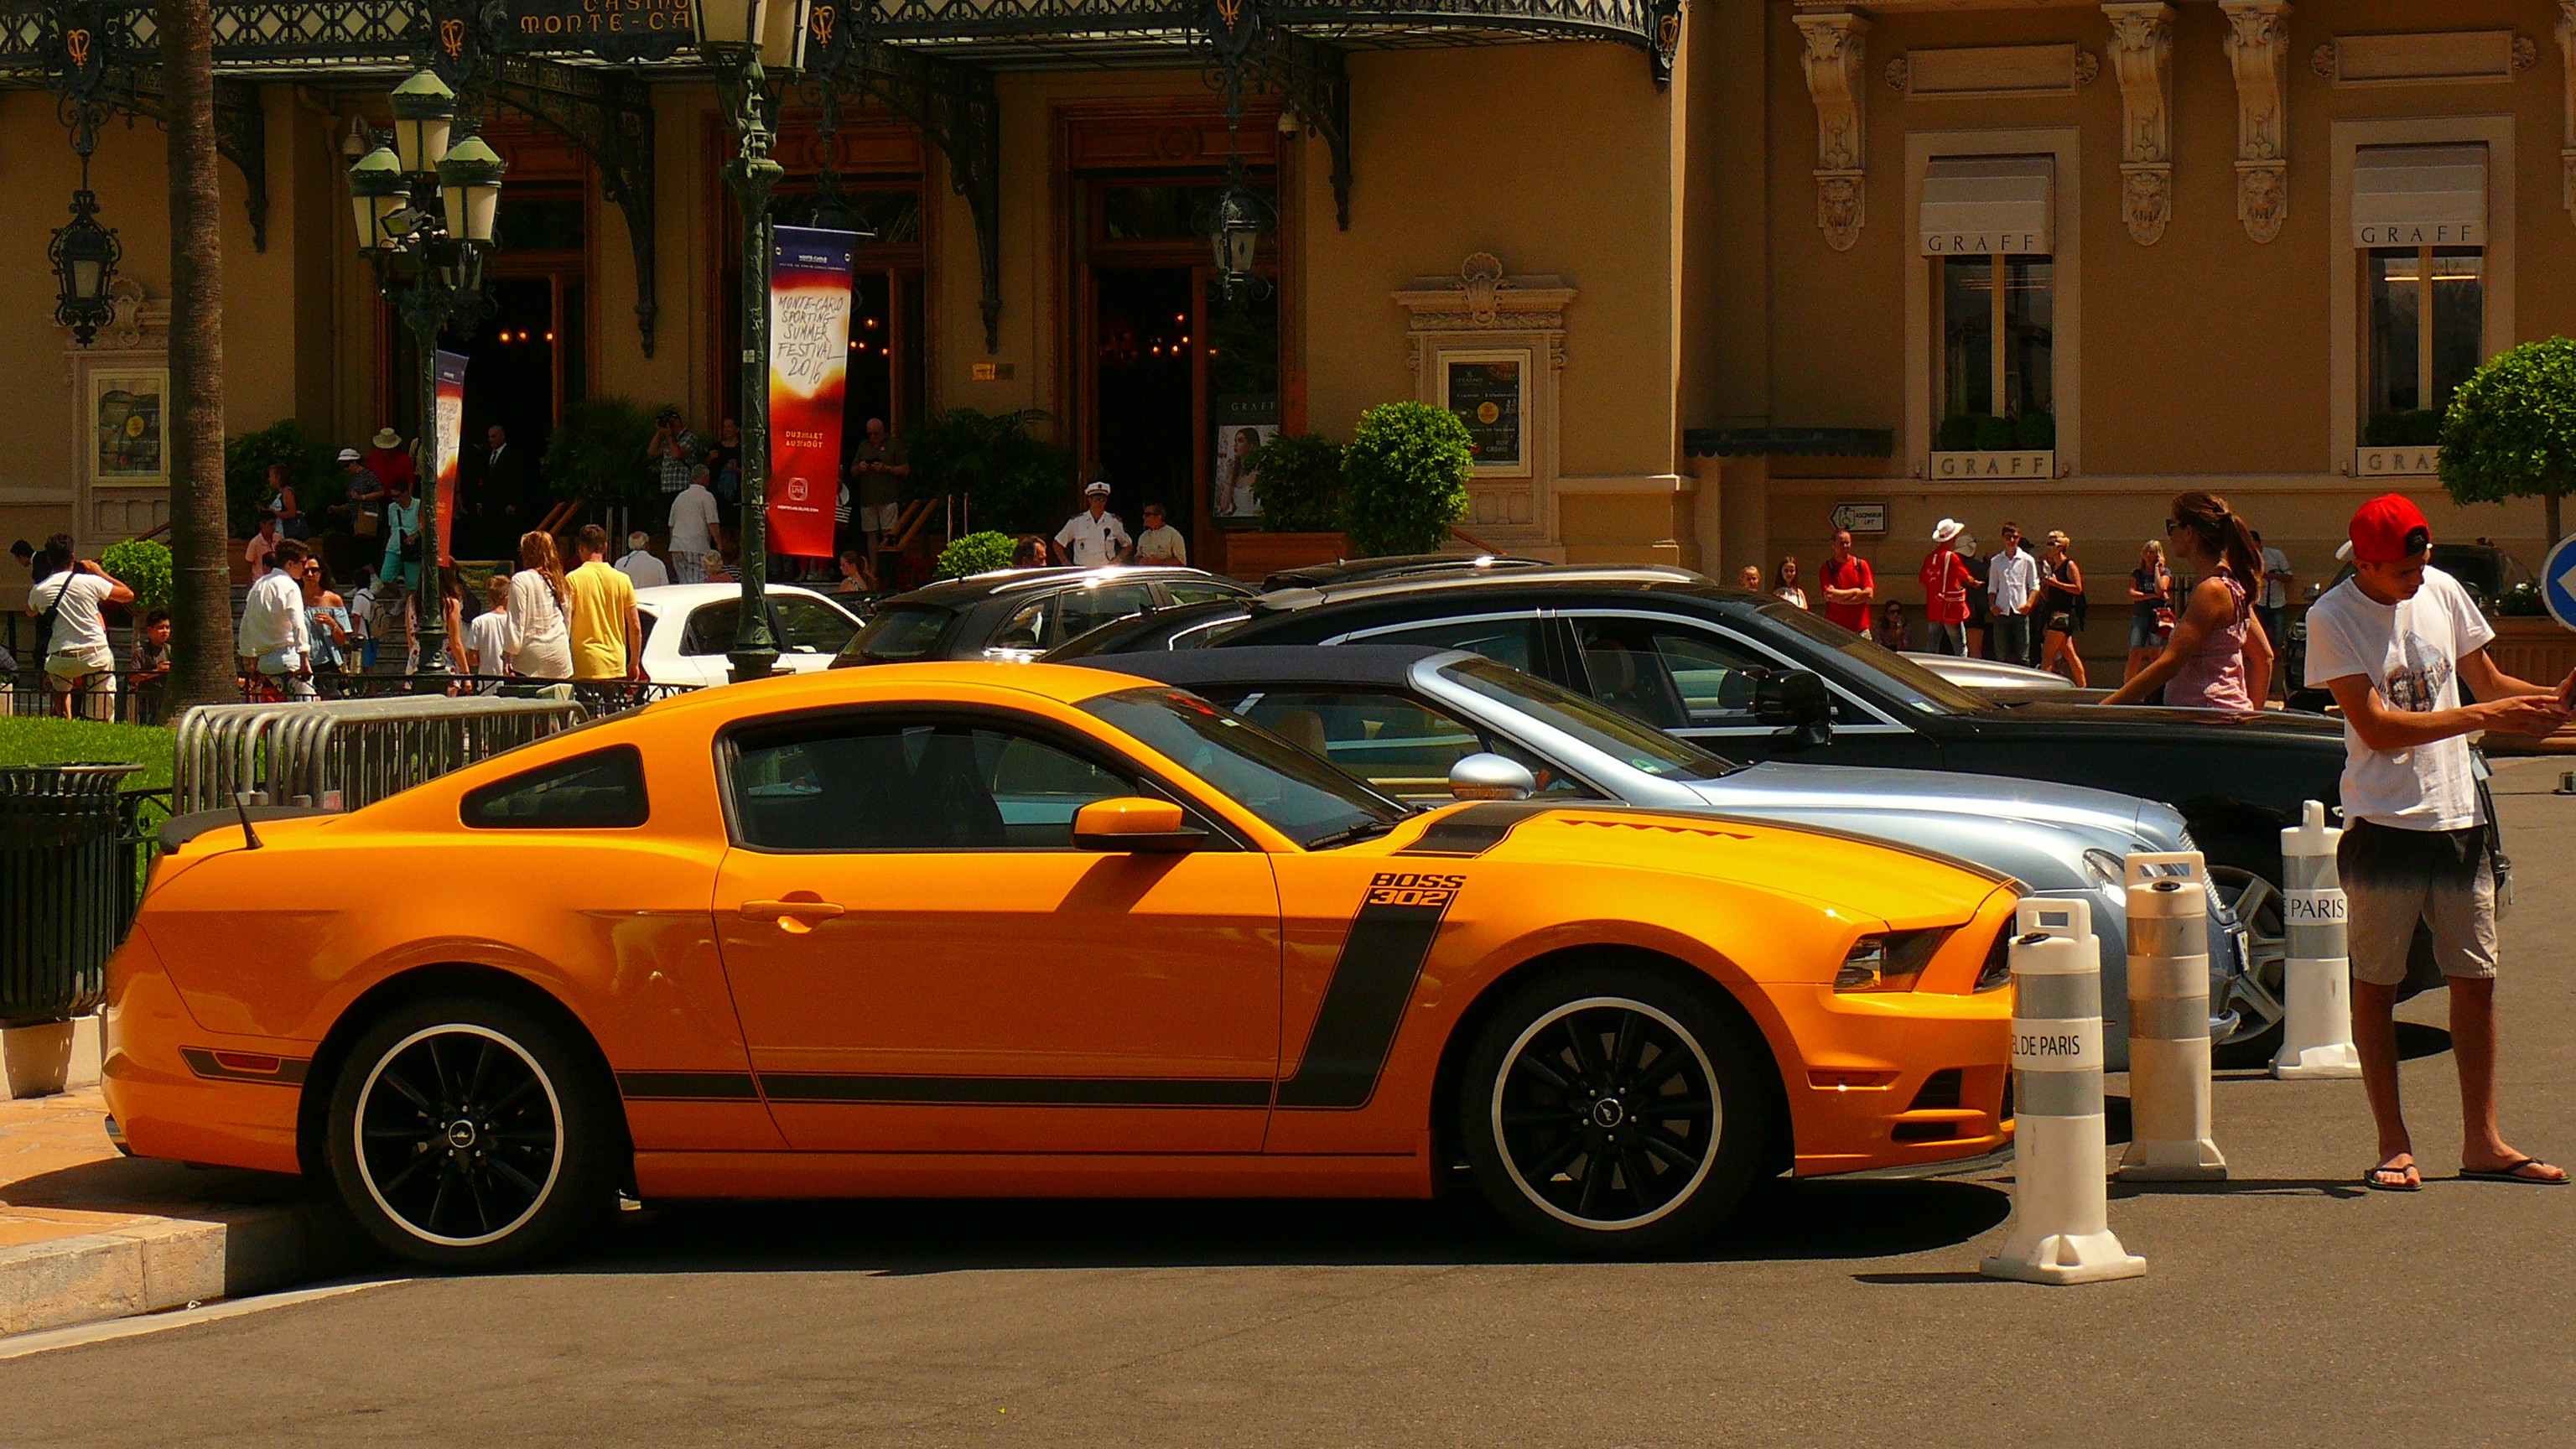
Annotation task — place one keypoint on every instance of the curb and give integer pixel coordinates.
(163, 1263)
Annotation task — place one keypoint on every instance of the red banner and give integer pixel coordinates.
(809, 363)
(449, 442)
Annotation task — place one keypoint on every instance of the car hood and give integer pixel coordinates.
(1778, 786)
(2278, 724)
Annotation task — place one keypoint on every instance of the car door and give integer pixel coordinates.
(925, 963)
(1697, 681)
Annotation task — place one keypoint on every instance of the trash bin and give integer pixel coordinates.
(66, 888)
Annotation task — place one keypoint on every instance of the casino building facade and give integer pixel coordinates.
(1701, 278)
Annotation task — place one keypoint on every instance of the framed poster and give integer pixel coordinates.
(1489, 392)
(126, 423)
(1243, 422)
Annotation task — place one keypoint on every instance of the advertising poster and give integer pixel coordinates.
(1243, 422)
(1485, 393)
(450, 438)
(127, 407)
(809, 361)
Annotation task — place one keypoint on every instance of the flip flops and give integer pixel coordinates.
(2371, 1180)
(2512, 1172)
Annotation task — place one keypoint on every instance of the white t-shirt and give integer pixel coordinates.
(693, 521)
(2276, 594)
(2411, 654)
(487, 640)
(1091, 542)
(80, 625)
(643, 570)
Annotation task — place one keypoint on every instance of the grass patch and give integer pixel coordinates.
(25, 741)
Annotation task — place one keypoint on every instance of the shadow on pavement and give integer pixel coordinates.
(1779, 1221)
(2415, 1039)
(2330, 1187)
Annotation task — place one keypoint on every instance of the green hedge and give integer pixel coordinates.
(1404, 479)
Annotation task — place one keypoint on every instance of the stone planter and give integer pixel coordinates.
(1252, 556)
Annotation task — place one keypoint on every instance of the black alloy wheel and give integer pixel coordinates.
(1614, 1111)
(466, 1134)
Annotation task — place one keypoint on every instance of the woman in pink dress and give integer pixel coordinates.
(2218, 657)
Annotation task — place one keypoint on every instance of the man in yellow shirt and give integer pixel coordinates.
(607, 633)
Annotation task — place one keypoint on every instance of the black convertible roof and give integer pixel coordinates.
(1385, 666)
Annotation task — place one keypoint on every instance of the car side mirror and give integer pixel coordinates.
(1131, 824)
(1795, 700)
(1491, 777)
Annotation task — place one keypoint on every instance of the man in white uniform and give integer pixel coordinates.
(2394, 643)
(1094, 537)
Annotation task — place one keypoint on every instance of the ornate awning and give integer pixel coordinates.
(932, 61)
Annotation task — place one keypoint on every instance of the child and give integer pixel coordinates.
(151, 666)
(488, 636)
(362, 617)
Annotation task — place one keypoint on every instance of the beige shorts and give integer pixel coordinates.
(2394, 878)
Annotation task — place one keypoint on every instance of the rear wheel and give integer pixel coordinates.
(1614, 1110)
(468, 1134)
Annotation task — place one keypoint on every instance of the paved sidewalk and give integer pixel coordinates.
(87, 1235)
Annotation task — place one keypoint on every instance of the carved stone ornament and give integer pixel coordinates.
(1899, 71)
(2088, 67)
(2322, 61)
(2567, 134)
(2258, 52)
(1482, 276)
(2526, 52)
(135, 323)
(1836, 50)
(2142, 61)
(1482, 296)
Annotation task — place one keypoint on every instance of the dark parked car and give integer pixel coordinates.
(1402, 565)
(1718, 666)
(1021, 613)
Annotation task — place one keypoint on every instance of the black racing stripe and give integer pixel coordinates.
(1018, 1091)
(1474, 830)
(1364, 1004)
(201, 1060)
(687, 1087)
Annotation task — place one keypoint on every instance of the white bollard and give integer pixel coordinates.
(2169, 1137)
(2316, 980)
(2061, 1230)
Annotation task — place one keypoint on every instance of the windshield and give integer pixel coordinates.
(1917, 686)
(901, 632)
(1621, 738)
(1296, 793)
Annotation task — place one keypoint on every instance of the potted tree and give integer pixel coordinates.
(1297, 479)
(2510, 432)
(1404, 479)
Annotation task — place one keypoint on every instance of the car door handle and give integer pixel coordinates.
(790, 910)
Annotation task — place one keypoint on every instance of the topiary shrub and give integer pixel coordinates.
(2511, 428)
(2035, 432)
(143, 565)
(1997, 435)
(1299, 483)
(310, 468)
(976, 553)
(598, 453)
(1958, 433)
(1404, 479)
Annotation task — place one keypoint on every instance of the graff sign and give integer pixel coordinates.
(641, 28)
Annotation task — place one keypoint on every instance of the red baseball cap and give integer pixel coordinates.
(2389, 528)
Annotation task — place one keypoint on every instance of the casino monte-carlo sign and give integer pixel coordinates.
(610, 26)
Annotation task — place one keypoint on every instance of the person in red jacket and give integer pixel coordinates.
(1849, 588)
(1945, 591)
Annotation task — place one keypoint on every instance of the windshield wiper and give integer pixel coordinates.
(1365, 830)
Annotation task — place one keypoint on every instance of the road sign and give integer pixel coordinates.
(2558, 581)
(1872, 518)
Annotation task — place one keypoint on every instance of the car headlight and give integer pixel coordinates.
(2107, 870)
(1888, 963)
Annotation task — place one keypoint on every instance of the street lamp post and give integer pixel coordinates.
(742, 41)
(424, 214)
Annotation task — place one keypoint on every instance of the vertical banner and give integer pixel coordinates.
(450, 444)
(809, 363)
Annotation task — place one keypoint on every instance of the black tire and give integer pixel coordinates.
(1615, 1111)
(467, 1134)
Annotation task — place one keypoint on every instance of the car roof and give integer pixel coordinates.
(1562, 577)
(689, 596)
(1353, 570)
(975, 588)
(1385, 666)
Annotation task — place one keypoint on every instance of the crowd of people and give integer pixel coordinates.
(2213, 643)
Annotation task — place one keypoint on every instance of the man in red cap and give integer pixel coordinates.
(2394, 643)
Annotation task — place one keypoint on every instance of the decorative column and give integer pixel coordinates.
(2258, 51)
(2142, 59)
(2567, 138)
(1837, 44)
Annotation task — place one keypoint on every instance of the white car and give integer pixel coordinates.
(688, 628)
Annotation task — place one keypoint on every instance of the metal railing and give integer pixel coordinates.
(343, 754)
(28, 694)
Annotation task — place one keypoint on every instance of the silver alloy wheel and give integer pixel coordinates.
(477, 1130)
(2256, 903)
(1568, 1087)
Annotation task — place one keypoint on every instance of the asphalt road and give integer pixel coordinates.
(2286, 1307)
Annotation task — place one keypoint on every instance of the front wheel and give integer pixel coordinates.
(1614, 1111)
(467, 1134)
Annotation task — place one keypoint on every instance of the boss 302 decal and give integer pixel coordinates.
(1382, 958)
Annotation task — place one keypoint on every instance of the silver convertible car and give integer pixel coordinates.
(1428, 725)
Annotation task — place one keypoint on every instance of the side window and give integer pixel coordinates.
(1504, 641)
(856, 785)
(1079, 611)
(1628, 668)
(711, 626)
(1393, 743)
(1025, 627)
(811, 625)
(1199, 591)
(602, 790)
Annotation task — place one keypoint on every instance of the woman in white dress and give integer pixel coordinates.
(539, 644)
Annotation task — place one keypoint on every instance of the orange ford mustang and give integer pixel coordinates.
(976, 929)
